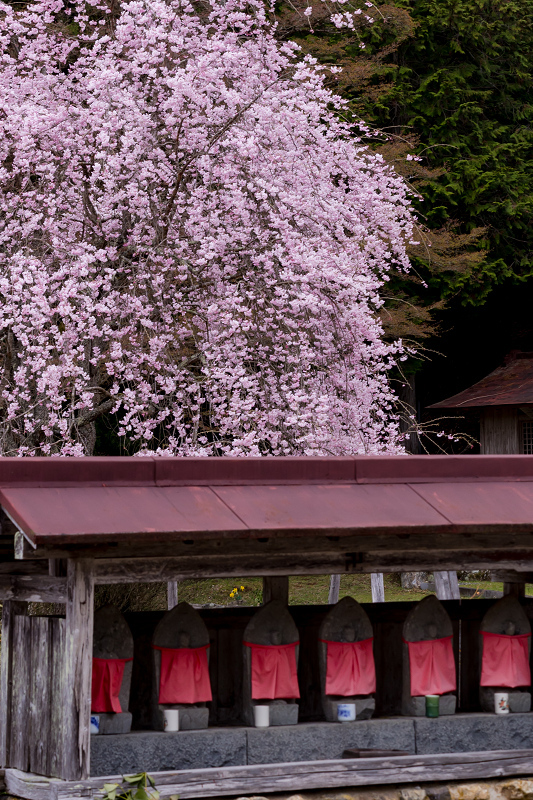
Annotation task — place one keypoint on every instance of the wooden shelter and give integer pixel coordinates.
(70, 524)
(505, 401)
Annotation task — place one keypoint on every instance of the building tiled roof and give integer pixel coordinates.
(509, 385)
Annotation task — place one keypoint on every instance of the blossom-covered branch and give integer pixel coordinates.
(190, 239)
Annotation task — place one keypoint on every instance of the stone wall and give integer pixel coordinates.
(514, 789)
(154, 751)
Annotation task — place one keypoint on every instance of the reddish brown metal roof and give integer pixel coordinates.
(73, 501)
(509, 385)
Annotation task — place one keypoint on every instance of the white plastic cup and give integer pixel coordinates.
(262, 716)
(172, 719)
(346, 712)
(95, 723)
(501, 702)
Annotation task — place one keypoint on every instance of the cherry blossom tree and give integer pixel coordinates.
(191, 239)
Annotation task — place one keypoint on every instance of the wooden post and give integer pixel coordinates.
(276, 588)
(334, 589)
(378, 587)
(10, 609)
(172, 594)
(77, 670)
(446, 585)
(515, 589)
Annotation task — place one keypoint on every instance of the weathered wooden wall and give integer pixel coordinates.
(499, 430)
(32, 716)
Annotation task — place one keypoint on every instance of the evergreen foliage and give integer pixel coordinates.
(463, 85)
(450, 80)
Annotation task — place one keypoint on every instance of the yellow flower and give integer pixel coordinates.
(242, 588)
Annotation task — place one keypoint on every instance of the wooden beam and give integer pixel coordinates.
(261, 779)
(276, 589)
(452, 546)
(77, 670)
(10, 609)
(33, 588)
(24, 568)
(163, 568)
(378, 587)
(511, 576)
(447, 585)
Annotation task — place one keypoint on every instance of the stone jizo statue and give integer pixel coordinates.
(428, 659)
(346, 660)
(112, 669)
(505, 647)
(181, 668)
(270, 652)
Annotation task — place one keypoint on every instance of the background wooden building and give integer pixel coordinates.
(505, 401)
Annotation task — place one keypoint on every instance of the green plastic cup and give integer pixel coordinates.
(432, 705)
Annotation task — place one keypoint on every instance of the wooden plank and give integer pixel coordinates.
(276, 589)
(447, 585)
(10, 609)
(334, 589)
(299, 776)
(57, 656)
(39, 731)
(33, 588)
(172, 594)
(32, 787)
(77, 669)
(378, 587)
(20, 697)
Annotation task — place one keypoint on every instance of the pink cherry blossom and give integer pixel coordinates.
(191, 239)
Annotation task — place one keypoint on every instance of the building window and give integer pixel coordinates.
(527, 437)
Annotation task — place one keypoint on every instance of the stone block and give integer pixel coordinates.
(518, 789)
(519, 702)
(469, 791)
(192, 718)
(283, 714)
(314, 741)
(417, 705)
(115, 723)
(471, 732)
(413, 793)
(155, 751)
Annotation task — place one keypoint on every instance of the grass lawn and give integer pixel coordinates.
(306, 590)
(303, 590)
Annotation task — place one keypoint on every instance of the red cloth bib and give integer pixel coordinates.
(274, 671)
(432, 666)
(350, 668)
(505, 660)
(106, 683)
(184, 675)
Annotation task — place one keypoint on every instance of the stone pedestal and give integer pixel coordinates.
(428, 620)
(346, 622)
(272, 625)
(180, 627)
(507, 617)
(112, 639)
